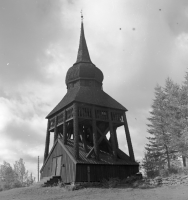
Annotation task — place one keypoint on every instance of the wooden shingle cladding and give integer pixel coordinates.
(83, 53)
(84, 71)
(87, 95)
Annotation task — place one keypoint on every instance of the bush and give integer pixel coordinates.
(114, 182)
(185, 170)
(164, 173)
(16, 184)
(173, 170)
(60, 184)
(111, 183)
(153, 173)
(7, 186)
(168, 172)
(129, 180)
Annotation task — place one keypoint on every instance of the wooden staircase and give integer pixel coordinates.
(52, 181)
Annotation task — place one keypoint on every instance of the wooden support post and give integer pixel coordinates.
(64, 128)
(75, 128)
(83, 140)
(103, 136)
(94, 130)
(112, 135)
(47, 142)
(55, 130)
(116, 139)
(88, 173)
(129, 143)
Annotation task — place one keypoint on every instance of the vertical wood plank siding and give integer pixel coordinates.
(70, 167)
(99, 172)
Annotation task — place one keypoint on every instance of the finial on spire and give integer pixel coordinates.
(82, 16)
(83, 53)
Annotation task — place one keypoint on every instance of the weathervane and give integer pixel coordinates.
(82, 16)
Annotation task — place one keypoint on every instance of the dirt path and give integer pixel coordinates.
(178, 192)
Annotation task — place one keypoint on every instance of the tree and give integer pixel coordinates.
(150, 164)
(178, 108)
(7, 174)
(169, 124)
(20, 170)
(160, 142)
(183, 142)
(17, 177)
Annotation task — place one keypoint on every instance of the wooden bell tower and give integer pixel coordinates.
(84, 117)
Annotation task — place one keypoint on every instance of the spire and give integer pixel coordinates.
(83, 53)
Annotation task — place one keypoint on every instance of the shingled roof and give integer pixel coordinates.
(84, 69)
(87, 95)
(105, 158)
(83, 53)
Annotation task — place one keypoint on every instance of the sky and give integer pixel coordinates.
(137, 45)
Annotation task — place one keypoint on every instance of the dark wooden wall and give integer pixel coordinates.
(71, 172)
(99, 172)
(68, 169)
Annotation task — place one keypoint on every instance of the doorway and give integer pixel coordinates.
(56, 166)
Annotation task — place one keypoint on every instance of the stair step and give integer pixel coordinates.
(52, 180)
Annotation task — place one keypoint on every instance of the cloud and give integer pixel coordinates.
(136, 44)
(22, 127)
(27, 29)
(182, 41)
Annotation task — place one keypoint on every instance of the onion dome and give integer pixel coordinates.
(84, 69)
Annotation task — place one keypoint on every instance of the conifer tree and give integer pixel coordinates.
(173, 112)
(168, 126)
(178, 107)
(160, 140)
(182, 142)
(148, 165)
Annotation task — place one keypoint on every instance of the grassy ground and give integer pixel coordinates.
(177, 192)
